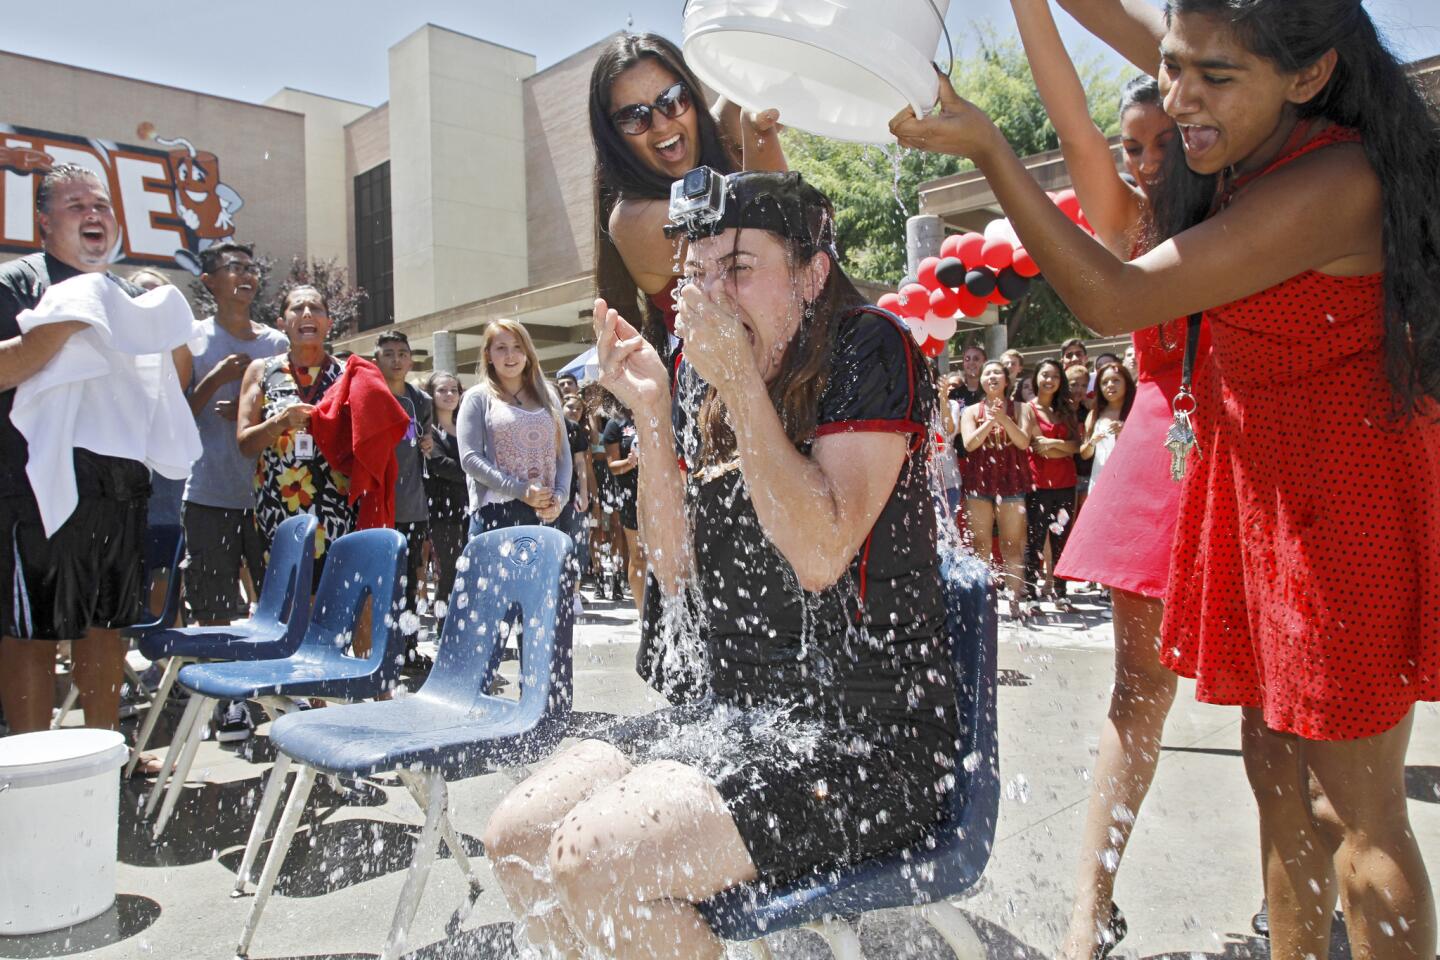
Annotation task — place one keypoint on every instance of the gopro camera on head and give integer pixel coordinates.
(697, 200)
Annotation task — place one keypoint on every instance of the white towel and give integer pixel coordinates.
(111, 389)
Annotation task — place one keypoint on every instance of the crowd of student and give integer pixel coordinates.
(757, 424)
(1021, 450)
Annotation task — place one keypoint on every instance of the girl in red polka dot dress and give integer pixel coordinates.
(1305, 582)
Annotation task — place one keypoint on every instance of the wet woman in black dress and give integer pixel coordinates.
(785, 501)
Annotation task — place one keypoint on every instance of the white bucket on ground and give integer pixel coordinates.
(59, 827)
(839, 68)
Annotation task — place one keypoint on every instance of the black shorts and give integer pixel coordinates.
(91, 573)
(805, 795)
(621, 498)
(217, 541)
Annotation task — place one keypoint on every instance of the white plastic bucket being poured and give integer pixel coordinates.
(59, 827)
(839, 68)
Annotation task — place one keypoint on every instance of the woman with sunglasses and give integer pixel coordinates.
(651, 123)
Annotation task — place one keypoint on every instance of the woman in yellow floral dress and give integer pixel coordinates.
(276, 401)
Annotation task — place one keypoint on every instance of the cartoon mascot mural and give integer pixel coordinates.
(206, 206)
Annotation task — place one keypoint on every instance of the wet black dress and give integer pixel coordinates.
(826, 720)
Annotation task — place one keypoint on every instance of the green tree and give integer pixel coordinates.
(875, 189)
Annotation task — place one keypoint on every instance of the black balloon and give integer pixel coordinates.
(951, 272)
(906, 280)
(980, 282)
(1012, 285)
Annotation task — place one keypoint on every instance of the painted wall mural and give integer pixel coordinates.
(169, 199)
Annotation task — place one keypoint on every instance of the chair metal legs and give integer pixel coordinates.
(426, 846)
(269, 800)
(955, 929)
(157, 704)
(840, 935)
(177, 743)
(193, 737)
(71, 696)
(289, 821)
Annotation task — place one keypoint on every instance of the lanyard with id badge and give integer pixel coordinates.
(304, 441)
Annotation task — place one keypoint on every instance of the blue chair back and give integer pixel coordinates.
(285, 594)
(509, 580)
(360, 565)
(173, 548)
(952, 858)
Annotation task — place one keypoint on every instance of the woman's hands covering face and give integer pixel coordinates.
(716, 342)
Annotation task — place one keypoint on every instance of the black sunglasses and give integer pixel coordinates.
(636, 118)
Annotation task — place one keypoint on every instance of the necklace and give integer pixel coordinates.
(511, 398)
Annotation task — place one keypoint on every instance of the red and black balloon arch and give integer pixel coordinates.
(973, 272)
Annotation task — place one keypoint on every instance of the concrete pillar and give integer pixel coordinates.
(442, 357)
(923, 235)
(997, 340)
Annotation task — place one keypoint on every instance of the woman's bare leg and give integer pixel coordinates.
(27, 683)
(1389, 906)
(517, 837)
(99, 666)
(1125, 766)
(635, 569)
(1012, 546)
(1296, 855)
(631, 861)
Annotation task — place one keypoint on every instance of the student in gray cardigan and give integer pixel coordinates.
(497, 498)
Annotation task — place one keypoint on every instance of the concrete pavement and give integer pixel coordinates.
(1188, 886)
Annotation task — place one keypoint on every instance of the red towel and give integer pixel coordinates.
(356, 426)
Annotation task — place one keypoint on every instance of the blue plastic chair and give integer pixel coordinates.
(174, 548)
(512, 579)
(926, 874)
(358, 566)
(274, 631)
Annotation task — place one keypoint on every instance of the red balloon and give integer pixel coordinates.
(1025, 264)
(951, 246)
(968, 249)
(997, 298)
(914, 301)
(933, 348)
(925, 273)
(1068, 203)
(971, 305)
(1084, 223)
(997, 254)
(890, 302)
(944, 302)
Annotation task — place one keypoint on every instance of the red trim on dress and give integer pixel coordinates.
(869, 426)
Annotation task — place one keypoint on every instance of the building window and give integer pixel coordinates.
(374, 268)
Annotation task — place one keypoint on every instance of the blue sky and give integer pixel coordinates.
(248, 50)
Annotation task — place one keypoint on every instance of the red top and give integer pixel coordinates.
(996, 468)
(1052, 473)
(1306, 576)
(664, 301)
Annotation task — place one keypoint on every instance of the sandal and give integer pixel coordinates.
(1111, 936)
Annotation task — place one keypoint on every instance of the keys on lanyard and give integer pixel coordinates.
(1180, 439)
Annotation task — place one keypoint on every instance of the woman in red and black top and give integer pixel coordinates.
(995, 433)
(1054, 441)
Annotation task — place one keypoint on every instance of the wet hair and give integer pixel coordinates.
(804, 369)
(1370, 92)
(57, 177)
(1060, 403)
(621, 175)
(391, 336)
(1101, 403)
(210, 257)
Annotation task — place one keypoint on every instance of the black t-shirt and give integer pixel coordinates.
(22, 283)
(621, 431)
(579, 439)
(871, 648)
